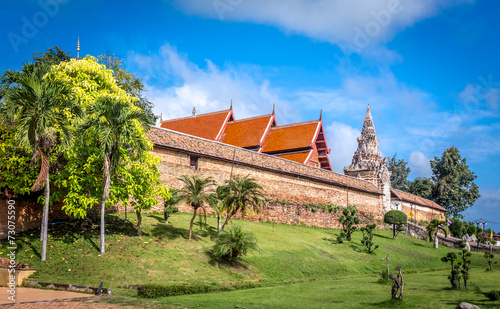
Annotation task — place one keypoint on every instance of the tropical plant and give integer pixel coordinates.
(218, 202)
(433, 228)
(348, 220)
(116, 126)
(234, 242)
(454, 277)
(243, 194)
(170, 208)
(397, 218)
(367, 239)
(34, 104)
(195, 192)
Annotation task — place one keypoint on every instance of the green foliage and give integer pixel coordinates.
(434, 227)
(283, 202)
(155, 291)
(243, 194)
(233, 242)
(399, 173)
(471, 228)
(455, 189)
(328, 208)
(52, 56)
(493, 295)
(465, 266)
(348, 220)
(397, 218)
(457, 228)
(132, 85)
(170, 203)
(195, 192)
(489, 258)
(367, 239)
(423, 187)
(454, 277)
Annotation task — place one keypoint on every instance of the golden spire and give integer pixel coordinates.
(78, 49)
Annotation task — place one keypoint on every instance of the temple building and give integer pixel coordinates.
(302, 142)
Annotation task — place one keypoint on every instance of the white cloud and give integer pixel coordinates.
(419, 163)
(357, 24)
(175, 85)
(341, 138)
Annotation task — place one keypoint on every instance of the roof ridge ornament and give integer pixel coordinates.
(194, 111)
(231, 107)
(321, 115)
(274, 109)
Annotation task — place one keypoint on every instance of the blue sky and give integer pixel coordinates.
(428, 68)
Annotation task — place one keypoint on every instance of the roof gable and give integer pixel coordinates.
(209, 126)
(249, 132)
(291, 137)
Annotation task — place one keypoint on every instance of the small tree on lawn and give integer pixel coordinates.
(234, 242)
(195, 193)
(489, 257)
(218, 202)
(367, 240)
(242, 194)
(455, 272)
(348, 219)
(432, 230)
(397, 218)
(465, 266)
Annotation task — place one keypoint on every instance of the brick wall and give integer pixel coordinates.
(296, 189)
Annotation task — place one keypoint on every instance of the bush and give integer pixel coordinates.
(493, 295)
(348, 219)
(397, 218)
(155, 291)
(233, 242)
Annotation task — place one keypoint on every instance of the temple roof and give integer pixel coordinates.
(407, 197)
(249, 132)
(300, 157)
(209, 126)
(292, 136)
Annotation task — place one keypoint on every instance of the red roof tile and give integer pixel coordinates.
(407, 197)
(246, 132)
(208, 126)
(293, 136)
(297, 156)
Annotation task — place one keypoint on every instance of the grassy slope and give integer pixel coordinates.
(164, 256)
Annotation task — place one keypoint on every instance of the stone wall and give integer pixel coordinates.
(296, 190)
(427, 213)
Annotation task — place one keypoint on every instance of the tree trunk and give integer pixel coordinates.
(436, 241)
(45, 218)
(229, 215)
(105, 195)
(394, 231)
(165, 214)
(192, 221)
(219, 228)
(139, 222)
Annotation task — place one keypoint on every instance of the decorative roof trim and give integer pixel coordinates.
(271, 120)
(309, 157)
(217, 138)
(199, 115)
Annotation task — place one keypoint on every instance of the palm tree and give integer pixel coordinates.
(115, 125)
(195, 193)
(169, 205)
(433, 228)
(218, 202)
(34, 104)
(244, 195)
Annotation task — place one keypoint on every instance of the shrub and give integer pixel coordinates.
(493, 295)
(397, 218)
(348, 219)
(489, 257)
(454, 276)
(155, 291)
(233, 242)
(367, 240)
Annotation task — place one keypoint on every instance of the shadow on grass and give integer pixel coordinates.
(383, 236)
(236, 264)
(168, 231)
(333, 241)
(157, 217)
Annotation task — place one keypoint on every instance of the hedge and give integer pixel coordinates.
(155, 291)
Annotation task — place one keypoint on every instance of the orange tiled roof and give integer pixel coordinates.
(207, 126)
(297, 156)
(246, 132)
(405, 196)
(293, 136)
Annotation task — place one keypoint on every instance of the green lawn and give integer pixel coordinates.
(288, 254)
